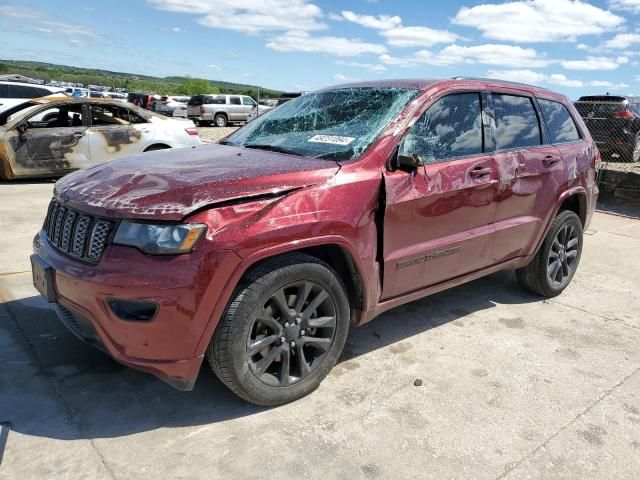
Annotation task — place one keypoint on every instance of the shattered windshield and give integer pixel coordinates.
(335, 124)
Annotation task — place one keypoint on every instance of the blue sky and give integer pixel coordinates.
(572, 46)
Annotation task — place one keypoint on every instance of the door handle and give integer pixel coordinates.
(480, 172)
(550, 160)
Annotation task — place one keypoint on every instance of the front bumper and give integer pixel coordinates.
(182, 286)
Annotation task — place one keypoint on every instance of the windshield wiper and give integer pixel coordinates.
(271, 148)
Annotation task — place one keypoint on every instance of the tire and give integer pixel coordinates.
(555, 264)
(220, 120)
(278, 373)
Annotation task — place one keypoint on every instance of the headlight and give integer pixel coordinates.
(160, 239)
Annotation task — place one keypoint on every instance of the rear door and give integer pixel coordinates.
(531, 172)
(236, 109)
(116, 131)
(438, 218)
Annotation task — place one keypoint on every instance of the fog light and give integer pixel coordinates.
(133, 310)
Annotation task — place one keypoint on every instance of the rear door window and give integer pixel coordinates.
(451, 127)
(234, 100)
(560, 123)
(517, 124)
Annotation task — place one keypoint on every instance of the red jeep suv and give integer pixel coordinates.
(259, 253)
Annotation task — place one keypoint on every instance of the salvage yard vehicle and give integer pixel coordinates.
(614, 123)
(221, 109)
(171, 106)
(257, 254)
(15, 93)
(53, 136)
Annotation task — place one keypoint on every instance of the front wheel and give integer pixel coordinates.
(283, 332)
(555, 264)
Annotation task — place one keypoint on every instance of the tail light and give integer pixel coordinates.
(597, 160)
(202, 110)
(191, 131)
(628, 114)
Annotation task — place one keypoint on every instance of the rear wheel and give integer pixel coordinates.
(555, 264)
(283, 332)
(220, 120)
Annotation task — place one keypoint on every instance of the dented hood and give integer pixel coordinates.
(170, 184)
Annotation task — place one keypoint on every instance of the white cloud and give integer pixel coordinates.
(489, 54)
(418, 36)
(249, 16)
(622, 41)
(372, 67)
(176, 29)
(609, 85)
(343, 78)
(398, 35)
(538, 20)
(38, 21)
(214, 66)
(591, 63)
(629, 5)
(558, 79)
(535, 78)
(296, 41)
(381, 22)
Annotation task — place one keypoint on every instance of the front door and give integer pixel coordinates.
(438, 217)
(52, 142)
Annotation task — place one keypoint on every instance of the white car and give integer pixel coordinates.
(15, 93)
(175, 106)
(50, 137)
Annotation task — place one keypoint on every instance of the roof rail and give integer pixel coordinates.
(506, 82)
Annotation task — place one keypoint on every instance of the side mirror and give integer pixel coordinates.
(23, 128)
(409, 162)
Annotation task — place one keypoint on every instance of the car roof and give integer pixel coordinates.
(66, 99)
(37, 85)
(471, 82)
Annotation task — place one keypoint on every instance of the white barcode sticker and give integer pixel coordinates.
(332, 139)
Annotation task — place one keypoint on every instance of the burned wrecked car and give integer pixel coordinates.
(259, 253)
(53, 136)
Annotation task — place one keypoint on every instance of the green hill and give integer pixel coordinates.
(130, 81)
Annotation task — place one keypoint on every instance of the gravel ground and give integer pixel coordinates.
(622, 167)
(215, 134)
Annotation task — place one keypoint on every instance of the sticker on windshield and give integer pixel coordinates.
(332, 139)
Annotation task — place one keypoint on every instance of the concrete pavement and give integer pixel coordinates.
(513, 386)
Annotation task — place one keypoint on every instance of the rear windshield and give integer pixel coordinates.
(334, 124)
(599, 109)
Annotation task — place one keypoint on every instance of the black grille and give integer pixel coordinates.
(75, 233)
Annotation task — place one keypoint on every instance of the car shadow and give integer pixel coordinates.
(30, 181)
(58, 387)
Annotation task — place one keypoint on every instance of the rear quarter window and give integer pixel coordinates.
(517, 124)
(560, 124)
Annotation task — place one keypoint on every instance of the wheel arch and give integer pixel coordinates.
(574, 200)
(335, 251)
(157, 146)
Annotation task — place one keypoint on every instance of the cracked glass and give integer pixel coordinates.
(337, 124)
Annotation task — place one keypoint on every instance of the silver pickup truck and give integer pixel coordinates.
(221, 109)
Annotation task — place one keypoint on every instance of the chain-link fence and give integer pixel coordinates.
(614, 124)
